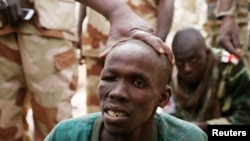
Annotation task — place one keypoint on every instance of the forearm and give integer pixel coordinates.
(165, 18)
(125, 24)
(106, 7)
(82, 15)
(226, 8)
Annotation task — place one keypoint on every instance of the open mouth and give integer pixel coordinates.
(116, 113)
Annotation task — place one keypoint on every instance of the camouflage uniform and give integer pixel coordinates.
(38, 58)
(232, 91)
(94, 42)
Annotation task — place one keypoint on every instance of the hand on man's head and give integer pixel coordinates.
(134, 27)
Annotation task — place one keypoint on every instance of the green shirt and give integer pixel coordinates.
(87, 128)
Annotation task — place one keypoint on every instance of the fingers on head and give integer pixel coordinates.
(156, 43)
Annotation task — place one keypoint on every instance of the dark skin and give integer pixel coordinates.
(190, 53)
(190, 56)
(165, 12)
(118, 13)
(132, 88)
(229, 32)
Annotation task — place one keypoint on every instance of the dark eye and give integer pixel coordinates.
(179, 63)
(140, 83)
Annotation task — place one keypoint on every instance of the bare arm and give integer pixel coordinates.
(105, 7)
(125, 24)
(82, 15)
(165, 18)
(229, 32)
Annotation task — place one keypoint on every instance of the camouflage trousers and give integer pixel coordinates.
(36, 71)
(94, 67)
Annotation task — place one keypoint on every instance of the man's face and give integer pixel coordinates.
(128, 92)
(191, 63)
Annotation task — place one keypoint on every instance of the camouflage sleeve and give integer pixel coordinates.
(236, 104)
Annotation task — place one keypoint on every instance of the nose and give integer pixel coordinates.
(187, 68)
(119, 90)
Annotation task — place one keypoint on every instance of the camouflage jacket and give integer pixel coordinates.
(52, 18)
(233, 92)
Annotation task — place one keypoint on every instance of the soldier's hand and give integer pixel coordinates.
(229, 36)
(125, 25)
(130, 26)
(12, 13)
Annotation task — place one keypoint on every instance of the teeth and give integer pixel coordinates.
(115, 114)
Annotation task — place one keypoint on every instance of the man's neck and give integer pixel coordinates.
(188, 87)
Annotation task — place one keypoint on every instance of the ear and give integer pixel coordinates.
(165, 95)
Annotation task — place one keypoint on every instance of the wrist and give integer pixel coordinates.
(227, 18)
(118, 11)
(228, 10)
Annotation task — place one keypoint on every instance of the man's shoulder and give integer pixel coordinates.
(230, 65)
(174, 128)
(74, 128)
(88, 119)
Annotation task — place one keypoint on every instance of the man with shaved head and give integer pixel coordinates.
(134, 82)
(210, 86)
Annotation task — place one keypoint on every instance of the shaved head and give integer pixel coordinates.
(188, 37)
